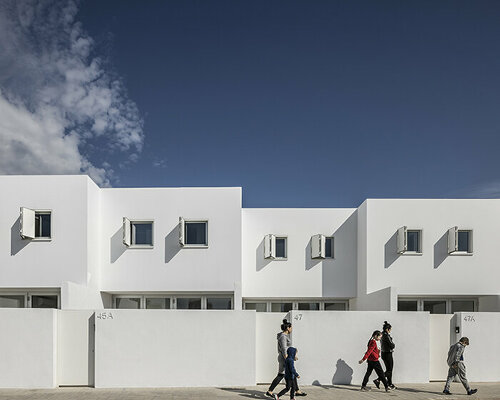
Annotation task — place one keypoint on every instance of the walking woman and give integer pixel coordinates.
(284, 342)
(372, 355)
(387, 347)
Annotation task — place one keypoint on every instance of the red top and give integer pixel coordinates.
(372, 353)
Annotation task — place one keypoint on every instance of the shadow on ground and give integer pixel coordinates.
(252, 394)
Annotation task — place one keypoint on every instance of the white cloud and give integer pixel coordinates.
(56, 98)
(490, 190)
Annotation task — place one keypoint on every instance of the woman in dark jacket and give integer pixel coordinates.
(387, 347)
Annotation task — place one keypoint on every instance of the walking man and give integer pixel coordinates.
(457, 367)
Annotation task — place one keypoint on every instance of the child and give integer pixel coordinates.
(291, 374)
(372, 354)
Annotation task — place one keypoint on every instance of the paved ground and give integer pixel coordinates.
(427, 391)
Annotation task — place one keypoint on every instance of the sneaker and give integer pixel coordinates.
(392, 387)
(269, 394)
(377, 383)
(446, 392)
(388, 389)
(472, 391)
(276, 397)
(365, 389)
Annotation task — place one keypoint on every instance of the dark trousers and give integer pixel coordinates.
(389, 365)
(374, 365)
(277, 380)
(291, 384)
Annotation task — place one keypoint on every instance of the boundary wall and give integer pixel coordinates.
(44, 348)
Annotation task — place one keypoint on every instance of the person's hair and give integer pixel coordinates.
(386, 326)
(374, 334)
(285, 325)
(464, 340)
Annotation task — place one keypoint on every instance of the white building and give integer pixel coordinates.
(72, 245)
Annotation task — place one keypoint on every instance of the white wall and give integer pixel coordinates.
(331, 343)
(481, 356)
(267, 328)
(168, 267)
(440, 329)
(164, 348)
(434, 272)
(28, 348)
(32, 264)
(299, 276)
(75, 348)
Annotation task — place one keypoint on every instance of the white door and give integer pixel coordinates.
(75, 348)
(440, 334)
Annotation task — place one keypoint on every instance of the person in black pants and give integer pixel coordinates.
(291, 375)
(284, 342)
(372, 355)
(387, 348)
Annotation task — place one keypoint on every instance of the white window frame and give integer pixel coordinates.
(129, 233)
(28, 293)
(453, 241)
(420, 301)
(295, 303)
(270, 247)
(402, 241)
(318, 247)
(27, 228)
(183, 222)
(173, 298)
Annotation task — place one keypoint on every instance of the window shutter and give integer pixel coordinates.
(402, 240)
(182, 229)
(471, 241)
(453, 239)
(126, 232)
(318, 246)
(27, 223)
(269, 246)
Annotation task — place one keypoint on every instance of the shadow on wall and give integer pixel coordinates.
(172, 246)
(17, 243)
(260, 261)
(343, 373)
(335, 272)
(310, 262)
(391, 250)
(117, 248)
(441, 250)
(91, 356)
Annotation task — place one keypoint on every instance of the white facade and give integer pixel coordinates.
(436, 256)
(87, 265)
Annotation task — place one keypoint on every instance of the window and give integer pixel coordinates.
(438, 306)
(285, 305)
(462, 305)
(192, 303)
(193, 233)
(275, 247)
(157, 303)
(321, 247)
(409, 241)
(459, 241)
(35, 224)
(435, 306)
(259, 307)
(335, 306)
(128, 303)
(309, 306)
(219, 303)
(43, 301)
(407, 305)
(12, 301)
(137, 233)
(281, 307)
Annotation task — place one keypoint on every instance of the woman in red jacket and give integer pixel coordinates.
(372, 355)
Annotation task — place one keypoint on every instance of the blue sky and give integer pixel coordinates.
(302, 103)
